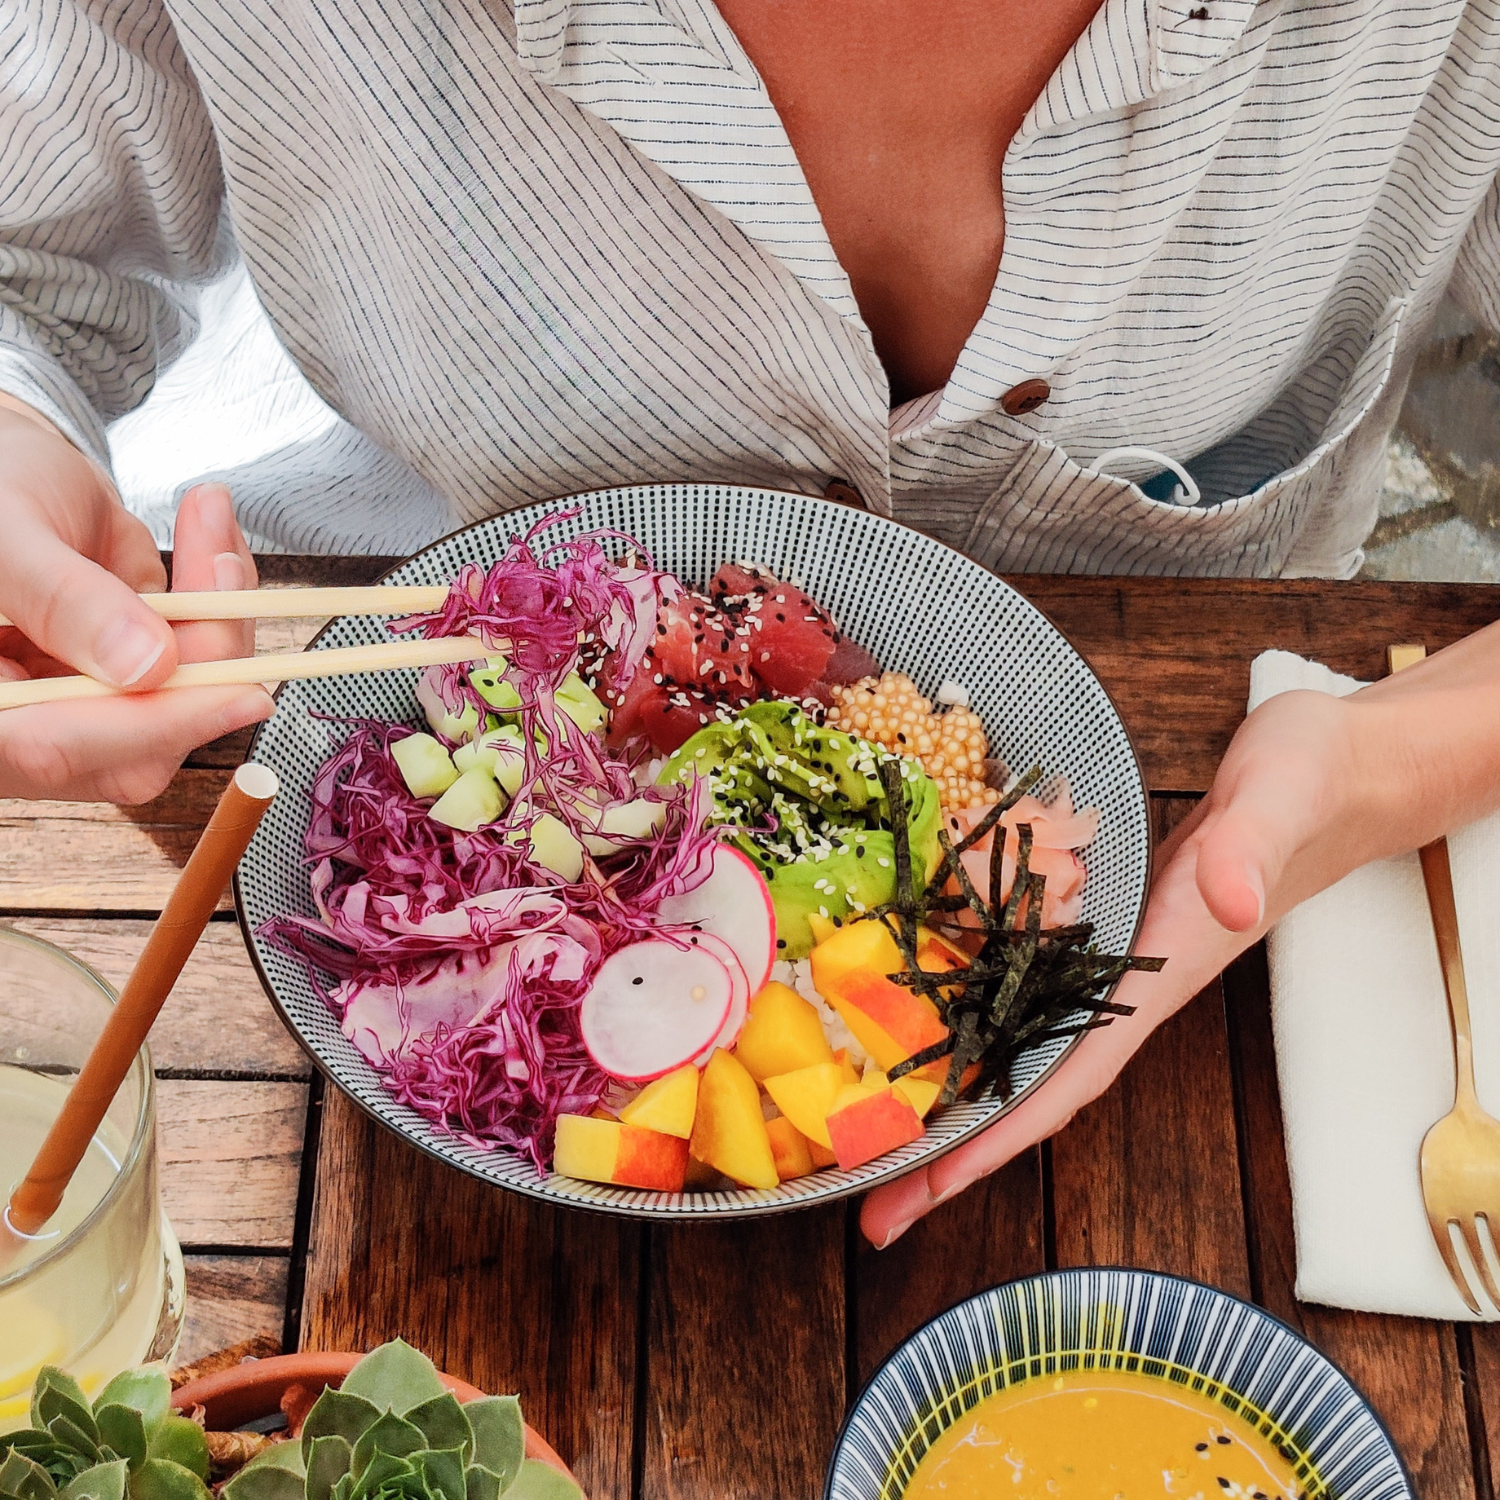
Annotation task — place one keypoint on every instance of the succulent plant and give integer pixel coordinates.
(128, 1443)
(392, 1431)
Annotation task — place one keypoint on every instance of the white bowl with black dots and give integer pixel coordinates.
(922, 608)
(1266, 1378)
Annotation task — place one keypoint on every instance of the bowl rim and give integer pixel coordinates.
(1144, 1273)
(754, 1208)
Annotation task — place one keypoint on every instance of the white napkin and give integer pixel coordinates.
(1364, 1055)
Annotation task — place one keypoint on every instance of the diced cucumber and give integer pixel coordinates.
(425, 765)
(448, 724)
(490, 683)
(499, 752)
(630, 820)
(554, 848)
(576, 699)
(472, 801)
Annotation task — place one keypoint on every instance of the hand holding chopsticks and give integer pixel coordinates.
(283, 604)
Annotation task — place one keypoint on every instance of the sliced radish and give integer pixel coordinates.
(739, 1005)
(734, 904)
(654, 1006)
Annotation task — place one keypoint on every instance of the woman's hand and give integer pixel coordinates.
(1311, 788)
(72, 563)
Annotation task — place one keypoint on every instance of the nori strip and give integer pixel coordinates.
(1025, 986)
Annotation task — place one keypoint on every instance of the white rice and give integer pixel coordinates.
(798, 976)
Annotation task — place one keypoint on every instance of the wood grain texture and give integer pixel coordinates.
(1175, 654)
(230, 1298)
(94, 857)
(217, 1019)
(745, 1364)
(1408, 1367)
(230, 1155)
(1148, 1175)
(989, 1234)
(505, 1293)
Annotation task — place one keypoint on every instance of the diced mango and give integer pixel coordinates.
(920, 1093)
(919, 1088)
(821, 1156)
(729, 1131)
(789, 1149)
(821, 927)
(866, 1123)
(842, 1058)
(782, 1033)
(889, 1021)
(625, 1155)
(668, 1104)
(805, 1097)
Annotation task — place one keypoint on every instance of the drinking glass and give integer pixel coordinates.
(99, 1288)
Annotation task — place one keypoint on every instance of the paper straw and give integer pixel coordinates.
(177, 930)
(382, 657)
(296, 603)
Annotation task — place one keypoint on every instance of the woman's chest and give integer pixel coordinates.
(900, 113)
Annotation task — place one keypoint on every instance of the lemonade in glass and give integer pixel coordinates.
(99, 1288)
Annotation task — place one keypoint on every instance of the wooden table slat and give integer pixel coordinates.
(231, 1298)
(231, 1155)
(512, 1295)
(1148, 1174)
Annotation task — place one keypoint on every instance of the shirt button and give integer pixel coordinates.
(1027, 396)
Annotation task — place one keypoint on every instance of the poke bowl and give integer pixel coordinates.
(492, 1067)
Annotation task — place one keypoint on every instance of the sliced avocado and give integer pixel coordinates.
(472, 801)
(821, 821)
(425, 765)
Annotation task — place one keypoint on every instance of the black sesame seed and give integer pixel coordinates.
(638, 980)
(1201, 1448)
(1223, 1482)
(781, 942)
(1223, 1440)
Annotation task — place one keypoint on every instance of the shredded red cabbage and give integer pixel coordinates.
(458, 964)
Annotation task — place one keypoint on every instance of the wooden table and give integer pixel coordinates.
(690, 1361)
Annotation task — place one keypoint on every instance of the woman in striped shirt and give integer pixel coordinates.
(952, 256)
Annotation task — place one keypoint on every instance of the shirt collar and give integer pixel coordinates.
(672, 79)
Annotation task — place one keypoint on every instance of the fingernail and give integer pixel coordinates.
(894, 1233)
(229, 571)
(217, 513)
(1256, 882)
(949, 1192)
(126, 650)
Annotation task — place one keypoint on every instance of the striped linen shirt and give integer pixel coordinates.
(534, 247)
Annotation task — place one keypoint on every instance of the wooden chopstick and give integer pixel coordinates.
(294, 603)
(381, 657)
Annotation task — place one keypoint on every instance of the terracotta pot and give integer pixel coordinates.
(249, 1391)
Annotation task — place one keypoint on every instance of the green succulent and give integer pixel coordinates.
(129, 1443)
(393, 1432)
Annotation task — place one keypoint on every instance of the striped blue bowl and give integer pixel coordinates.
(1257, 1368)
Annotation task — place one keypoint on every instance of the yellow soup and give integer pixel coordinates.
(1101, 1435)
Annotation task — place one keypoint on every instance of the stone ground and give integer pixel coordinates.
(1440, 510)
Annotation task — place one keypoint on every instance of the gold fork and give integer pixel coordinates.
(1460, 1160)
